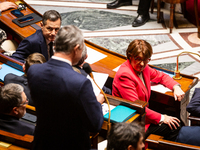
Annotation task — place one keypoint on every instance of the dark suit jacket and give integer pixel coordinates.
(194, 104)
(22, 80)
(189, 135)
(66, 107)
(14, 125)
(32, 44)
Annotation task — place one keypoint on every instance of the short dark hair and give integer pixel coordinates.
(10, 97)
(138, 46)
(67, 38)
(121, 135)
(51, 15)
(35, 58)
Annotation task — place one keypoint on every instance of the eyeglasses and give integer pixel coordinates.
(139, 60)
(26, 102)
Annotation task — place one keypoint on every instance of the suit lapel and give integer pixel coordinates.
(43, 45)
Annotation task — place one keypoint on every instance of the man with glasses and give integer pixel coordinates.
(42, 40)
(13, 102)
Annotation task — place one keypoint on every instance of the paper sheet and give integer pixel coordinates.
(159, 88)
(100, 79)
(93, 56)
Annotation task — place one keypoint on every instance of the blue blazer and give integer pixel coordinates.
(67, 109)
(194, 105)
(32, 44)
(189, 135)
(14, 125)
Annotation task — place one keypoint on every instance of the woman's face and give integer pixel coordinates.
(139, 63)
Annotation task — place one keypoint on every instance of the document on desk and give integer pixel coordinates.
(94, 56)
(100, 79)
(159, 88)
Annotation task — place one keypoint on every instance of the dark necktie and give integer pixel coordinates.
(50, 49)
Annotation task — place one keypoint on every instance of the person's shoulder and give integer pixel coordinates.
(27, 127)
(34, 36)
(10, 76)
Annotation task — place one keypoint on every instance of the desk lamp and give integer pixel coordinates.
(177, 72)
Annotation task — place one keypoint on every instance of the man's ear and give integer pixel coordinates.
(76, 48)
(130, 147)
(41, 24)
(23, 67)
(15, 111)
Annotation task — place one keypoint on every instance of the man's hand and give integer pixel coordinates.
(7, 5)
(100, 98)
(178, 93)
(172, 122)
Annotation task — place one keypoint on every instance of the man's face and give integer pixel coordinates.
(50, 29)
(22, 108)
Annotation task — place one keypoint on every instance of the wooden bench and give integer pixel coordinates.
(13, 141)
(156, 142)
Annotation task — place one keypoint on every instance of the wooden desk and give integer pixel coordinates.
(178, 109)
(7, 24)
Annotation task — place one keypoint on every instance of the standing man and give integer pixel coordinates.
(67, 109)
(143, 10)
(13, 102)
(42, 40)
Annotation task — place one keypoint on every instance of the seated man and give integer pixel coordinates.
(189, 134)
(13, 102)
(42, 40)
(35, 58)
(194, 106)
(79, 68)
(127, 136)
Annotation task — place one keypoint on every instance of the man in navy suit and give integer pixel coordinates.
(13, 102)
(40, 40)
(66, 106)
(189, 134)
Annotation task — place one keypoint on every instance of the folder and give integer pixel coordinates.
(120, 113)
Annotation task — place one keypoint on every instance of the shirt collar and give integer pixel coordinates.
(61, 59)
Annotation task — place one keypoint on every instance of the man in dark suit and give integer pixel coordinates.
(41, 41)
(143, 10)
(35, 58)
(67, 109)
(13, 107)
(189, 134)
(194, 105)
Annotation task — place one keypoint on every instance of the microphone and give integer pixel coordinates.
(88, 70)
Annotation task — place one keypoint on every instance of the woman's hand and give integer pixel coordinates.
(172, 122)
(178, 93)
